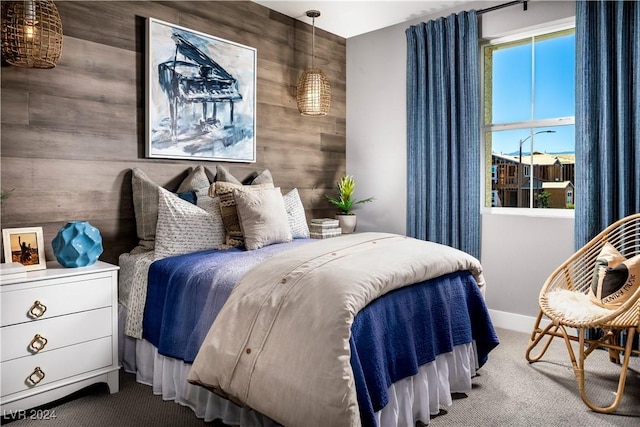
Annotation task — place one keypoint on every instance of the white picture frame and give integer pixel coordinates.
(24, 246)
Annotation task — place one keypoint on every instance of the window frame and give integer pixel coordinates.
(553, 27)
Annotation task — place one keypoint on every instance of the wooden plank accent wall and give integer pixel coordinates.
(70, 135)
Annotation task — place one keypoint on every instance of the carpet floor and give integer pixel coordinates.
(508, 391)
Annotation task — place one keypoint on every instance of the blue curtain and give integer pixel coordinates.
(443, 132)
(607, 118)
(607, 114)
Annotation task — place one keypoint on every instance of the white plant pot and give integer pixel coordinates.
(347, 223)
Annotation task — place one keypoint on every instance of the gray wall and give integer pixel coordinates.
(518, 251)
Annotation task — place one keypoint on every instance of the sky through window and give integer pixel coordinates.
(550, 83)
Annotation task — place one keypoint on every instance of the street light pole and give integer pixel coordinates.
(522, 141)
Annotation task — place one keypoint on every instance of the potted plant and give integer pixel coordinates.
(345, 202)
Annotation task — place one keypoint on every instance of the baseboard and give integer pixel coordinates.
(514, 322)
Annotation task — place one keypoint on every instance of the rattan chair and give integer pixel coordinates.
(573, 280)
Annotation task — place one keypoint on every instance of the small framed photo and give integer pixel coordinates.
(25, 246)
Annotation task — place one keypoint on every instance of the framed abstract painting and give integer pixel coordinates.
(201, 96)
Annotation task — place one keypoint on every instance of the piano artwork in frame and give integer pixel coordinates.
(201, 95)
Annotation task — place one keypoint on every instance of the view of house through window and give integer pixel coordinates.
(529, 131)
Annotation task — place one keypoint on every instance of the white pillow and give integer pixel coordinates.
(263, 217)
(184, 227)
(145, 202)
(296, 215)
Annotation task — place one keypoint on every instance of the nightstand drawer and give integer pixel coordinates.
(46, 368)
(29, 339)
(55, 298)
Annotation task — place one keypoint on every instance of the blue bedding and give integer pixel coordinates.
(196, 285)
(395, 335)
(185, 293)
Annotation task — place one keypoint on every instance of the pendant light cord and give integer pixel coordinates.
(313, 41)
(313, 14)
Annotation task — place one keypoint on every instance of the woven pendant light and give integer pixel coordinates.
(314, 92)
(31, 33)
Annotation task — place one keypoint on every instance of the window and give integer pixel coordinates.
(495, 200)
(529, 132)
(569, 197)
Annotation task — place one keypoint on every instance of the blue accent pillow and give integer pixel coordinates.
(189, 197)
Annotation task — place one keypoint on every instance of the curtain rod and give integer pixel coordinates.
(500, 6)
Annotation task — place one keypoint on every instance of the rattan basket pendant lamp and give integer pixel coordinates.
(31, 33)
(314, 92)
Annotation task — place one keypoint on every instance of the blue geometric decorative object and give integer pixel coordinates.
(77, 244)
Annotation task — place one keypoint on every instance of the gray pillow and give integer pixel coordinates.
(264, 177)
(263, 217)
(196, 180)
(222, 174)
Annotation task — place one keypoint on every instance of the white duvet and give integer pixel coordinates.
(280, 344)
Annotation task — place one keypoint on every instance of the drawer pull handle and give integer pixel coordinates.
(36, 376)
(37, 309)
(37, 343)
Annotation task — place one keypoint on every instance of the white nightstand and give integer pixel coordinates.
(59, 333)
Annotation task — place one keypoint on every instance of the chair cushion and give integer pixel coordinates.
(575, 306)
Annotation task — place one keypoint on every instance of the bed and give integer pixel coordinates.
(363, 329)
